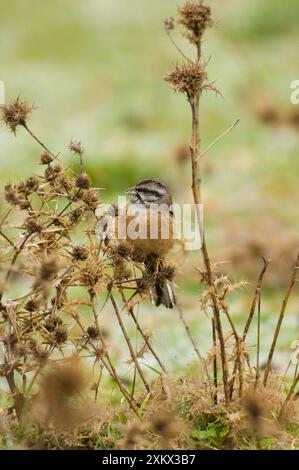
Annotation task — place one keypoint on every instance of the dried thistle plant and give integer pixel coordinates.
(52, 210)
(45, 324)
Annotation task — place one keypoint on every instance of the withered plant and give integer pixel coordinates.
(190, 78)
(50, 248)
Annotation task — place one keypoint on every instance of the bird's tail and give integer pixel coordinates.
(162, 293)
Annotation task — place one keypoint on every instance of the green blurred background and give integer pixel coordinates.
(94, 69)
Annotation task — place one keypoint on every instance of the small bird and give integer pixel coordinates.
(153, 201)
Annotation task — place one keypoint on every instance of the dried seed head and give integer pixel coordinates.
(66, 183)
(80, 253)
(123, 249)
(60, 335)
(83, 181)
(189, 78)
(16, 114)
(52, 172)
(165, 425)
(58, 399)
(20, 349)
(90, 197)
(48, 268)
(101, 351)
(195, 18)
(133, 433)
(52, 323)
(92, 332)
(32, 305)
(76, 215)
(138, 256)
(11, 194)
(76, 147)
(31, 184)
(33, 225)
(92, 276)
(253, 405)
(24, 204)
(42, 356)
(121, 270)
(169, 24)
(46, 158)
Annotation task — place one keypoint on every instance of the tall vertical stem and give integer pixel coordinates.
(196, 189)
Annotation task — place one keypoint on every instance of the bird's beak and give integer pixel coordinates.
(131, 191)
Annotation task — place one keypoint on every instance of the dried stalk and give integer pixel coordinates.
(215, 376)
(257, 367)
(249, 319)
(196, 350)
(128, 341)
(196, 189)
(280, 320)
(144, 336)
(289, 395)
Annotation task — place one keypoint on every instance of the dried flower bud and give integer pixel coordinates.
(83, 181)
(16, 114)
(11, 194)
(60, 335)
(76, 148)
(24, 204)
(92, 332)
(32, 184)
(48, 268)
(66, 183)
(76, 215)
(80, 253)
(165, 425)
(33, 225)
(20, 349)
(189, 78)
(123, 249)
(90, 197)
(138, 256)
(52, 172)
(169, 24)
(46, 158)
(195, 18)
(52, 323)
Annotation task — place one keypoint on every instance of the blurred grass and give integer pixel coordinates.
(95, 71)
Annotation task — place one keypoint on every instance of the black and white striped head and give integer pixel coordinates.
(148, 192)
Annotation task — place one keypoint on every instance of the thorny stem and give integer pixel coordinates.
(128, 341)
(39, 141)
(249, 319)
(196, 189)
(257, 368)
(280, 320)
(110, 368)
(190, 336)
(238, 347)
(144, 336)
(289, 395)
(215, 374)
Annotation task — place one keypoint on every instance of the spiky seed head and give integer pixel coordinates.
(16, 114)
